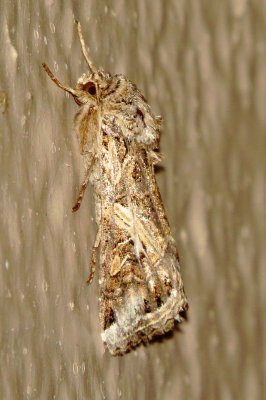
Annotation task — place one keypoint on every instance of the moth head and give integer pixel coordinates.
(89, 85)
(92, 89)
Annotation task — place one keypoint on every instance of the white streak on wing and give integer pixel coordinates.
(124, 214)
(127, 220)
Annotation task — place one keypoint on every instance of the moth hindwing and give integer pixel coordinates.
(141, 289)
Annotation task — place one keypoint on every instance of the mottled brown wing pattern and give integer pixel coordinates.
(141, 288)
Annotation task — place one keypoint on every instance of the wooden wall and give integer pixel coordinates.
(201, 64)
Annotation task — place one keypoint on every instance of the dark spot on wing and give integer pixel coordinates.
(147, 307)
(140, 113)
(105, 140)
(109, 318)
(159, 301)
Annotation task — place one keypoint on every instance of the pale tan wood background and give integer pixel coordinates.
(202, 65)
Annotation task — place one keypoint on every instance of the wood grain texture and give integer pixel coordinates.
(201, 64)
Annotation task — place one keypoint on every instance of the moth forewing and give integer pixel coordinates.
(145, 296)
(141, 289)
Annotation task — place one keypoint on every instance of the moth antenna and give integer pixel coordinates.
(57, 82)
(83, 48)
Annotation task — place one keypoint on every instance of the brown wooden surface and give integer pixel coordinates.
(201, 64)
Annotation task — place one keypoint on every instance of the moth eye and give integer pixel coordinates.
(90, 88)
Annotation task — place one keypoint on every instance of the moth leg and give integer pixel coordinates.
(83, 188)
(93, 257)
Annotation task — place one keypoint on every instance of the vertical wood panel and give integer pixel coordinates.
(201, 64)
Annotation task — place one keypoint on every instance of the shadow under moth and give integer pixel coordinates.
(141, 289)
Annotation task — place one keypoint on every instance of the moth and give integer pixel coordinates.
(141, 289)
